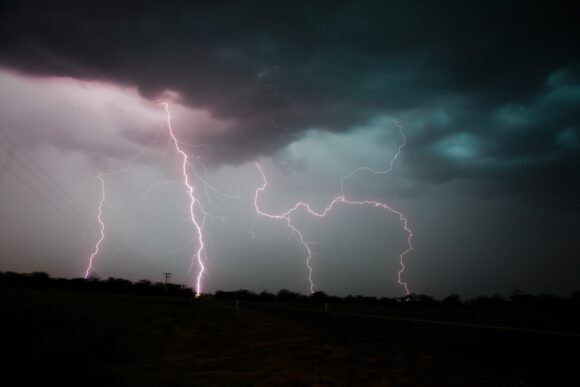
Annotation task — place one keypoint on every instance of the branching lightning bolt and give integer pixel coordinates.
(402, 217)
(199, 255)
(197, 213)
(372, 170)
(286, 217)
(342, 199)
(102, 227)
(103, 198)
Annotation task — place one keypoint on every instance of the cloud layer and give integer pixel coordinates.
(494, 88)
(488, 93)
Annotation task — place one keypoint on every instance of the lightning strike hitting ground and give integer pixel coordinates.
(195, 204)
(100, 208)
(102, 227)
(199, 254)
(377, 204)
(287, 215)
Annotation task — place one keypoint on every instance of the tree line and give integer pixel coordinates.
(516, 298)
(41, 280)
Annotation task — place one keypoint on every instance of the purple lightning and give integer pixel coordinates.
(287, 215)
(376, 172)
(199, 254)
(194, 207)
(103, 198)
(102, 227)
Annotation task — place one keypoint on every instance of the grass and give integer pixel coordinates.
(95, 338)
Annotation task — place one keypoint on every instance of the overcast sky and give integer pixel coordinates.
(488, 96)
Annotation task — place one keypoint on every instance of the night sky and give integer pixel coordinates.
(488, 95)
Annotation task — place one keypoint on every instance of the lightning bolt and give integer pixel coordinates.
(376, 204)
(199, 255)
(195, 206)
(102, 227)
(374, 171)
(342, 199)
(157, 184)
(286, 217)
(100, 176)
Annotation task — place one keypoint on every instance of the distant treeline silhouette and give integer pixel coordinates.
(41, 280)
(517, 298)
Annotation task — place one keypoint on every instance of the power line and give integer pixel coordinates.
(35, 176)
(67, 200)
(111, 241)
(43, 197)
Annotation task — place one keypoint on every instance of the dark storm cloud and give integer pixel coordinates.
(505, 73)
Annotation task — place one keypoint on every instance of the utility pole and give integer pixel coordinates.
(167, 276)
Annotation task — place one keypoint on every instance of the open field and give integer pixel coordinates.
(96, 338)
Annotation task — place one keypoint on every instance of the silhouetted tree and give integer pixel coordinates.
(266, 295)
(452, 300)
(319, 295)
(40, 276)
(285, 294)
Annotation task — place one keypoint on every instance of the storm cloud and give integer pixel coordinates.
(500, 79)
(488, 92)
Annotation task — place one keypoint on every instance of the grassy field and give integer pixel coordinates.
(95, 338)
(507, 316)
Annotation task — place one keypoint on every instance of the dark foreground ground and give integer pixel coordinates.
(58, 337)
